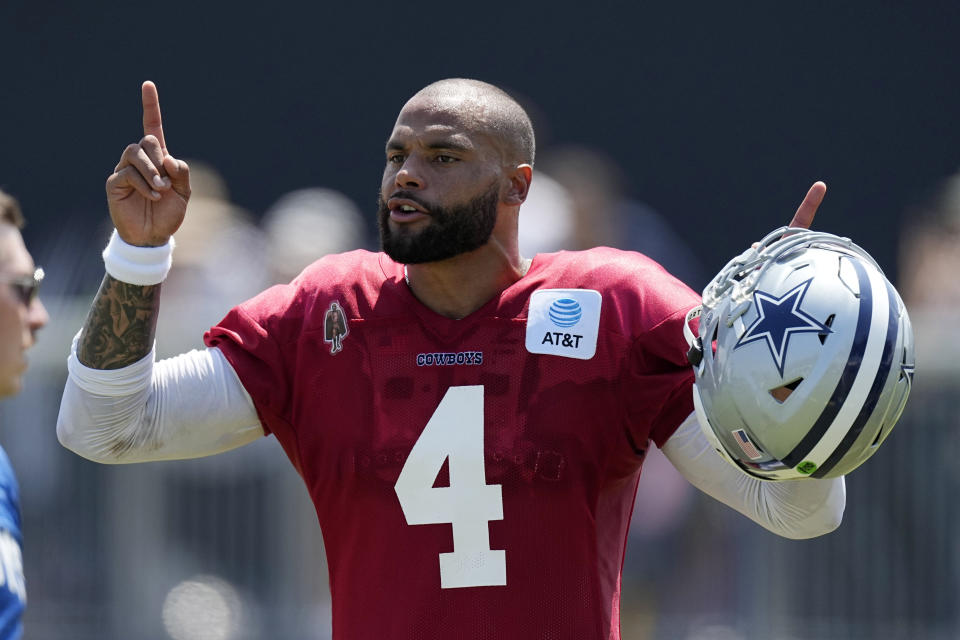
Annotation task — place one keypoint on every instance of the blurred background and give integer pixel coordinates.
(683, 131)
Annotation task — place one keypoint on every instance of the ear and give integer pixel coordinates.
(519, 187)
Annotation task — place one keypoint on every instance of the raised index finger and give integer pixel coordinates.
(152, 123)
(808, 208)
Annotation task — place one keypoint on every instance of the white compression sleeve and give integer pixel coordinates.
(188, 406)
(793, 509)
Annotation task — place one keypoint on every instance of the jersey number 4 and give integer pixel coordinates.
(455, 431)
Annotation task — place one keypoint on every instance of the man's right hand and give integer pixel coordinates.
(149, 188)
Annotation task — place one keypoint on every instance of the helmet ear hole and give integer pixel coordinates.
(781, 393)
(880, 436)
(906, 367)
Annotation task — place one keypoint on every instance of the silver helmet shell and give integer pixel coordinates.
(812, 359)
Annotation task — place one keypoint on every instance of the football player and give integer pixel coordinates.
(470, 423)
(21, 316)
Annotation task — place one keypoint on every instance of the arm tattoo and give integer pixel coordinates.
(120, 326)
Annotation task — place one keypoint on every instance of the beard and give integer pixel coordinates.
(450, 232)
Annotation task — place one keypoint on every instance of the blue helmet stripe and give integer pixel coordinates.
(886, 362)
(847, 378)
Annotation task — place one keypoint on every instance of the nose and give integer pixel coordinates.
(408, 177)
(37, 316)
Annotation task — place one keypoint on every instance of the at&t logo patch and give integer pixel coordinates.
(564, 322)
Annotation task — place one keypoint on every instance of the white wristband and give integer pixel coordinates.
(137, 265)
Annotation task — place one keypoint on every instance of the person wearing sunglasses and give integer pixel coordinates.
(21, 316)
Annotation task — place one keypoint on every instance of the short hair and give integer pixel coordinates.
(10, 210)
(502, 113)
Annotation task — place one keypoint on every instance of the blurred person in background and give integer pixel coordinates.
(929, 268)
(221, 258)
(578, 201)
(307, 224)
(21, 316)
(532, 460)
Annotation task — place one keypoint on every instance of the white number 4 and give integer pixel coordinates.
(455, 431)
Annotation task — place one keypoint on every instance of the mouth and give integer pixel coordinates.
(404, 210)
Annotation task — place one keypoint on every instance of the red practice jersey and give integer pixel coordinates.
(473, 478)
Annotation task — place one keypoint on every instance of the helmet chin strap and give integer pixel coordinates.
(695, 354)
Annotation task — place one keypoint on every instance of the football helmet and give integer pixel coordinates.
(811, 360)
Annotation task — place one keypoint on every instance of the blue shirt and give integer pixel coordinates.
(13, 594)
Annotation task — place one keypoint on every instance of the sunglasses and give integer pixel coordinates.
(27, 287)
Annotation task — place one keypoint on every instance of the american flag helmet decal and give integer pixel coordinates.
(746, 444)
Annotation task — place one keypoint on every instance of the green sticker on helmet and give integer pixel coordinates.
(806, 467)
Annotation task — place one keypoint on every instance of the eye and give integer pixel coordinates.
(26, 292)
(395, 158)
(445, 159)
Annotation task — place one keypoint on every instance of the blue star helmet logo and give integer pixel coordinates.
(778, 319)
